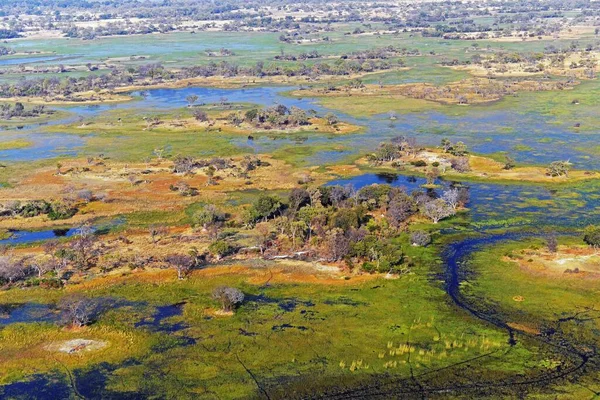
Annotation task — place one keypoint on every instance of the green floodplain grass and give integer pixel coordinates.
(563, 302)
(14, 144)
(341, 333)
(335, 331)
(189, 49)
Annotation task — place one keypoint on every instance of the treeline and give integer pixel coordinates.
(9, 34)
(116, 29)
(156, 73)
(8, 111)
(330, 223)
(5, 51)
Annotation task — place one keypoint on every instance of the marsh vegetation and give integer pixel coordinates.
(298, 200)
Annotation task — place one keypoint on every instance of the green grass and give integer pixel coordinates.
(14, 144)
(335, 326)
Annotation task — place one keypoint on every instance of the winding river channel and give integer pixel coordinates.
(526, 207)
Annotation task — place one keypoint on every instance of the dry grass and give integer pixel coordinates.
(468, 91)
(483, 168)
(573, 262)
(150, 192)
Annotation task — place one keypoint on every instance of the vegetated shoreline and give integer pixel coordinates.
(483, 168)
(122, 93)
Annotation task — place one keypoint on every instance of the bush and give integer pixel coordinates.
(34, 208)
(60, 210)
(220, 249)
(418, 163)
(591, 235)
(228, 296)
(460, 164)
(420, 238)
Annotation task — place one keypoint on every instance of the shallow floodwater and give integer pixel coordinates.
(529, 137)
(43, 146)
(485, 130)
(30, 312)
(23, 237)
(496, 205)
(4, 61)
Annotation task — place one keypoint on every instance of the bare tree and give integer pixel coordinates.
(77, 310)
(159, 153)
(83, 246)
(157, 231)
(41, 266)
(452, 198)
(437, 210)
(191, 99)
(12, 270)
(420, 238)
(182, 263)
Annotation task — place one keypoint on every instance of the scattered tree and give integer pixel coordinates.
(229, 297)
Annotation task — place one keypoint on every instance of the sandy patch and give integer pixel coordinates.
(573, 262)
(75, 346)
(524, 328)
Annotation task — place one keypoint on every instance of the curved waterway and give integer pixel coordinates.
(490, 205)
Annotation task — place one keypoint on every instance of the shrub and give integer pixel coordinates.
(228, 296)
(418, 163)
(591, 235)
(460, 164)
(420, 238)
(220, 249)
(61, 210)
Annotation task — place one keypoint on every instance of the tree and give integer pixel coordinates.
(209, 218)
(182, 263)
(85, 195)
(191, 99)
(298, 197)
(420, 238)
(459, 149)
(431, 175)
(337, 244)
(385, 152)
(266, 205)
(591, 235)
(83, 246)
(77, 310)
(460, 164)
(437, 210)
(552, 243)
(12, 270)
(156, 231)
(220, 249)
(41, 266)
(297, 229)
(228, 297)
(446, 145)
(452, 198)
(509, 162)
(264, 235)
(159, 152)
(200, 115)
(400, 208)
(558, 168)
(331, 118)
